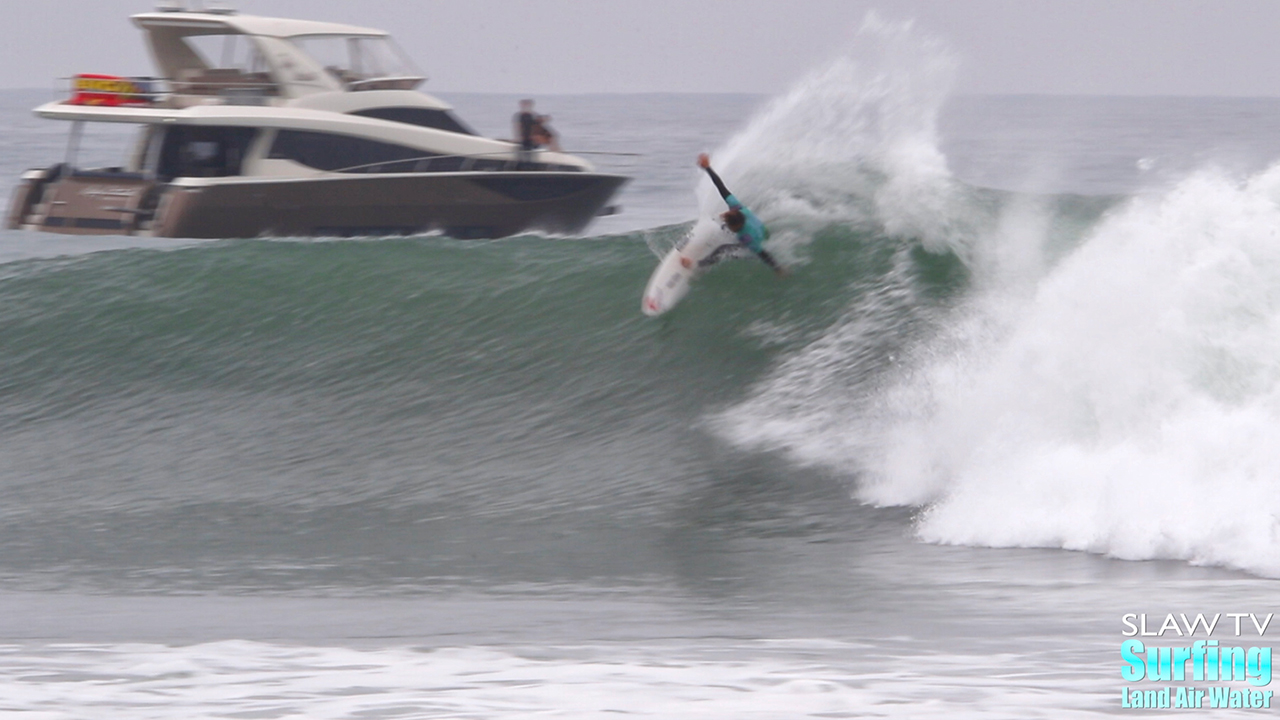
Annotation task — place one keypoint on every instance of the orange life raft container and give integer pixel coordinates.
(110, 90)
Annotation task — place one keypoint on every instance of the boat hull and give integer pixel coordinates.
(463, 204)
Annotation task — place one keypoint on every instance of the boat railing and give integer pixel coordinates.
(396, 82)
(231, 87)
(500, 161)
(228, 83)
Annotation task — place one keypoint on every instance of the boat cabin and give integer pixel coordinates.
(248, 59)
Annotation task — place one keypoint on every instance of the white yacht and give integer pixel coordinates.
(267, 126)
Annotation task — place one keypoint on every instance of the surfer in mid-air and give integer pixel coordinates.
(746, 227)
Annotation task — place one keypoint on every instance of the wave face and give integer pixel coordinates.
(353, 409)
(1059, 371)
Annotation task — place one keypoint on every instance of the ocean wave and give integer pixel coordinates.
(1121, 397)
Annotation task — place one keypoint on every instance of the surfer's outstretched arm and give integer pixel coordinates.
(704, 162)
(724, 191)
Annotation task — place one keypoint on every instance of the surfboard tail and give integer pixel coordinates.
(672, 278)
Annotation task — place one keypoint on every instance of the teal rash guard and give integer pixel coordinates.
(753, 233)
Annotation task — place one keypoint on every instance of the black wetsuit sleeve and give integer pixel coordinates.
(768, 260)
(724, 191)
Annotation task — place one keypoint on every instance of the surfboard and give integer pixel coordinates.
(671, 280)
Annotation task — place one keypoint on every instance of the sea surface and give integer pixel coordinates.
(1024, 379)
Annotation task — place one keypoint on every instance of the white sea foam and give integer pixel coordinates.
(1125, 401)
(854, 142)
(791, 679)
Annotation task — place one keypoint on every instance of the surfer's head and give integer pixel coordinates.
(734, 220)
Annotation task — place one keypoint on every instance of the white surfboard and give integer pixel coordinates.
(671, 280)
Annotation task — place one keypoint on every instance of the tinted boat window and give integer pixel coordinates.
(424, 117)
(194, 151)
(344, 153)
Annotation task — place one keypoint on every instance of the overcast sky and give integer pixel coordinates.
(1113, 47)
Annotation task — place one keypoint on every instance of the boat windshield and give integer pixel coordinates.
(232, 64)
(228, 52)
(360, 61)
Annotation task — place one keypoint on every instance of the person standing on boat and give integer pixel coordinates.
(749, 231)
(534, 131)
(525, 126)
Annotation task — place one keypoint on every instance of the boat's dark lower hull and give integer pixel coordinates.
(472, 205)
